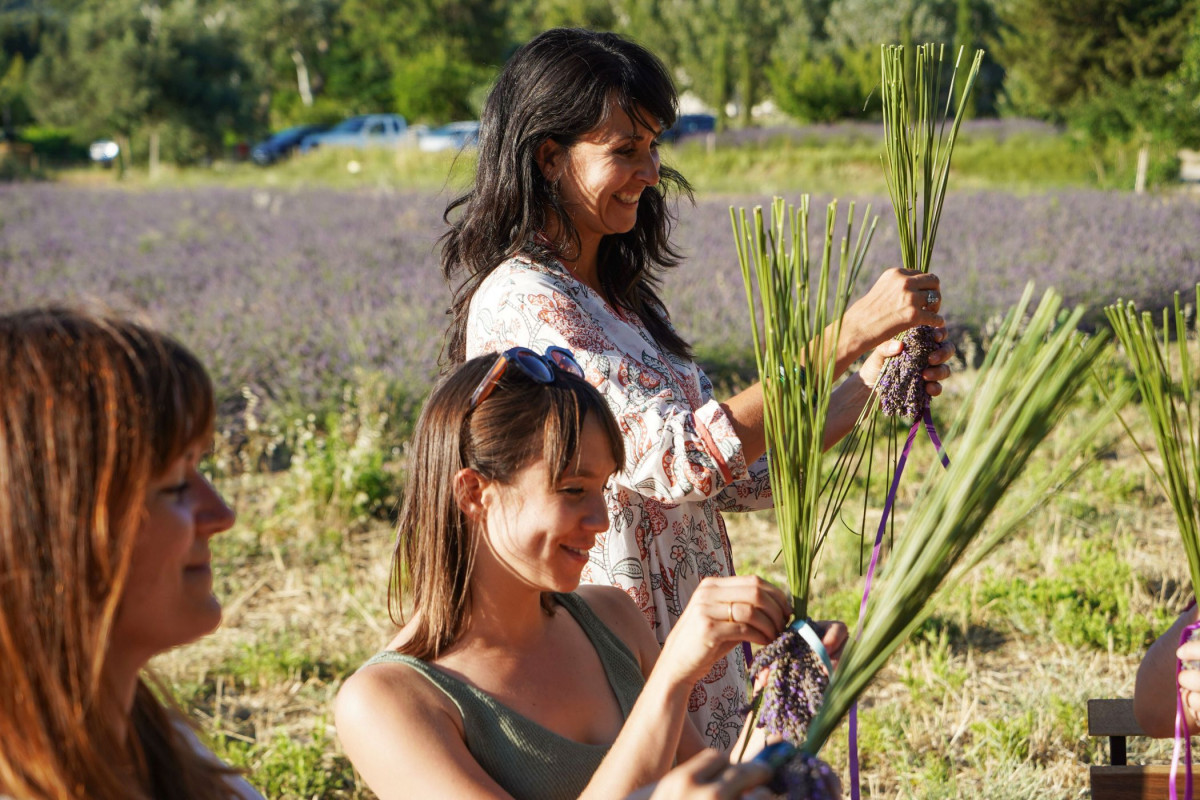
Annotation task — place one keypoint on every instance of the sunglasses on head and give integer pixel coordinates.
(538, 368)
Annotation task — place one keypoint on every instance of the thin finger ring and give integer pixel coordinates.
(931, 298)
(731, 611)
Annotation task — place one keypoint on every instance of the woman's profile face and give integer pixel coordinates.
(168, 598)
(539, 533)
(601, 177)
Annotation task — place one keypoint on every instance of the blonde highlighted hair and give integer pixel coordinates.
(91, 409)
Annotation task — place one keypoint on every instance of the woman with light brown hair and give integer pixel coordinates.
(105, 522)
(507, 679)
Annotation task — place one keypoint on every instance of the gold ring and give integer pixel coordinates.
(731, 611)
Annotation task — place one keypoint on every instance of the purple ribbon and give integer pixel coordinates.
(926, 420)
(1183, 739)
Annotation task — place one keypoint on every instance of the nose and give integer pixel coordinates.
(648, 169)
(595, 518)
(213, 514)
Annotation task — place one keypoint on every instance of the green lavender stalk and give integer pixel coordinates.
(1027, 383)
(916, 160)
(796, 361)
(917, 147)
(1172, 407)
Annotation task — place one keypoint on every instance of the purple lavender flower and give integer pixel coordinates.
(806, 777)
(901, 387)
(794, 689)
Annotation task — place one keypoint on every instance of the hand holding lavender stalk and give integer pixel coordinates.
(917, 167)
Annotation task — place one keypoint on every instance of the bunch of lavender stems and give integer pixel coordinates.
(917, 147)
(796, 358)
(917, 150)
(1173, 407)
(1028, 382)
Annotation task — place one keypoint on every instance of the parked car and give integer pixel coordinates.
(104, 151)
(367, 130)
(688, 125)
(455, 136)
(280, 145)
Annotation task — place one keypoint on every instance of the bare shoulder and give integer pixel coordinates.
(622, 616)
(389, 693)
(405, 737)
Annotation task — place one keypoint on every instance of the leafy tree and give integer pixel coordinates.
(1111, 69)
(720, 49)
(528, 18)
(126, 66)
(825, 86)
(459, 41)
(1059, 53)
(290, 39)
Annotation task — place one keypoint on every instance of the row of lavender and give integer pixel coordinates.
(289, 292)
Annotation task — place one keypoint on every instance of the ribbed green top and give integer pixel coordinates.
(529, 761)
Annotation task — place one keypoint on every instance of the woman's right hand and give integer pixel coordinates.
(709, 776)
(721, 613)
(898, 301)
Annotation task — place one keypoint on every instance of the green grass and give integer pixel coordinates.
(987, 700)
(845, 166)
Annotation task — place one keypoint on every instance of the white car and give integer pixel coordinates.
(104, 151)
(455, 136)
(368, 130)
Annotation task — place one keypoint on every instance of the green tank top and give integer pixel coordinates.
(529, 761)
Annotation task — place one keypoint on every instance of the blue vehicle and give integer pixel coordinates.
(281, 145)
(689, 125)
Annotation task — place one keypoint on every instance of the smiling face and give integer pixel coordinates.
(168, 598)
(601, 177)
(540, 533)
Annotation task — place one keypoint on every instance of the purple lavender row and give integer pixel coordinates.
(290, 291)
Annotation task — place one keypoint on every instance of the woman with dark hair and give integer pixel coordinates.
(563, 240)
(105, 524)
(508, 679)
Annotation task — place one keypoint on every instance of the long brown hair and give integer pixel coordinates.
(520, 421)
(558, 87)
(91, 409)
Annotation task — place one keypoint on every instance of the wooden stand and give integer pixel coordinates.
(1119, 780)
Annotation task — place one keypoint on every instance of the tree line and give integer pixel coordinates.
(187, 77)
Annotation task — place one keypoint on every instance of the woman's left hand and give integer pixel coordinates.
(937, 371)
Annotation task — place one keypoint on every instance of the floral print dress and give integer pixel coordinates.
(684, 462)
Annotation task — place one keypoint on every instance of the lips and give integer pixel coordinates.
(575, 551)
(628, 199)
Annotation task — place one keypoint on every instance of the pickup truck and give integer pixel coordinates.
(366, 130)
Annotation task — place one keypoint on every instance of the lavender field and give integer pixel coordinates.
(288, 292)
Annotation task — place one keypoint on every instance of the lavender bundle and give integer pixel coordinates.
(1027, 383)
(916, 161)
(798, 775)
(796, 352)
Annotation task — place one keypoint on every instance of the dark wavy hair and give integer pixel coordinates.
(559, 86)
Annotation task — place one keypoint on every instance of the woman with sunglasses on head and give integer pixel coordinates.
(105, 522)
(563, 240)
(508, 679)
